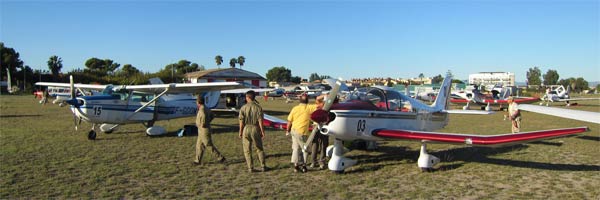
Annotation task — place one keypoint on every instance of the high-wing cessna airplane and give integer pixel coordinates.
(384, 114)
(557, 93)
(485, 101)
(138, 103)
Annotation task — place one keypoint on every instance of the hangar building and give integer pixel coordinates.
(227, 75)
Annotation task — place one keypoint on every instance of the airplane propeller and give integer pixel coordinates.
(322, 116)
(73, 101)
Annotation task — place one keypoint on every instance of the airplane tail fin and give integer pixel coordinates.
(443, 97)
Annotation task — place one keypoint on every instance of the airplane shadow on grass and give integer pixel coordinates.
(593, 138)
(397, 155)
(14, 116)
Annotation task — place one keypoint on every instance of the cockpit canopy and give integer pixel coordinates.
(380, 97)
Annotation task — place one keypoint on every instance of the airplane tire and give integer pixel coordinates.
(92, 135)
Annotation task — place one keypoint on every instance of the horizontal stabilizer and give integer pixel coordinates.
(478, 140)
(586, 116)
(274, 122)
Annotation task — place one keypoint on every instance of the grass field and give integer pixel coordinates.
(42, 156)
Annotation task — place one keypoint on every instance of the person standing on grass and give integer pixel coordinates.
(514, 114)
(298, 126)
(320, 142)
(203, 119)
(252, 131)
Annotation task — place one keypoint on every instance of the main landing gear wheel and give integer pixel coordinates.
(92, 135)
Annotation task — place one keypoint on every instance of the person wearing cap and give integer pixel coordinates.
(298, 126)
(203, 119)
(252, 131)
(514, 115)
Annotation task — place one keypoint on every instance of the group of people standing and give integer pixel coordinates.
(251, 131)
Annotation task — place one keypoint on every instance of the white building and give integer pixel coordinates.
(227, 75)
(492, 78)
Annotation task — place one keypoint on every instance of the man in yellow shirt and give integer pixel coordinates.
(298, 125)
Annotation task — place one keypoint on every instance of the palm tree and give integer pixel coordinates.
(232, 62)
(219, 60)
(55, 64)
(241, 60)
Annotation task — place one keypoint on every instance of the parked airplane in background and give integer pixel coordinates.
(557, 93)
(143, 104)
(485, 101)
(383, 114)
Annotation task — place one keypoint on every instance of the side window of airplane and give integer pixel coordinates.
(377, 98)
(139, 97)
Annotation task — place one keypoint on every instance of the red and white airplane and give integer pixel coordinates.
(385, 114)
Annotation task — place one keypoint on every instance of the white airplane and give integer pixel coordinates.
(143, 104)
(557, 93)
(382, 115)
(485, 101)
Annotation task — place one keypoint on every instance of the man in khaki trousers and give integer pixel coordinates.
(252, 131)
(203, 119)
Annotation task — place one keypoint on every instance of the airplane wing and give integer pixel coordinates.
(470, 112)
(478, 140)
(175, 88)
(244, 90)
(77, 85)
(586, 116)
(578, 99)
(517, 100)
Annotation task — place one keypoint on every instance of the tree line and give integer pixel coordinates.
(551, 77)
(100, 71)
(107, 71)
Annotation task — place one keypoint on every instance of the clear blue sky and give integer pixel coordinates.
(348, 39)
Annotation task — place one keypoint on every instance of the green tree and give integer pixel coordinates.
(313, 77)
(101, 68)
(232, 62)
(296, 80)
(129, 70)
(551, 77)
(219, 60)
(581, 84)
(279, 74)
(55, 65)
(10, 60)
(241, 60)
(533, 76)
(437, 79)
(175, 71)
(576, 84)
(421, 76)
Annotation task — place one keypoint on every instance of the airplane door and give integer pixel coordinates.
(211, 99)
